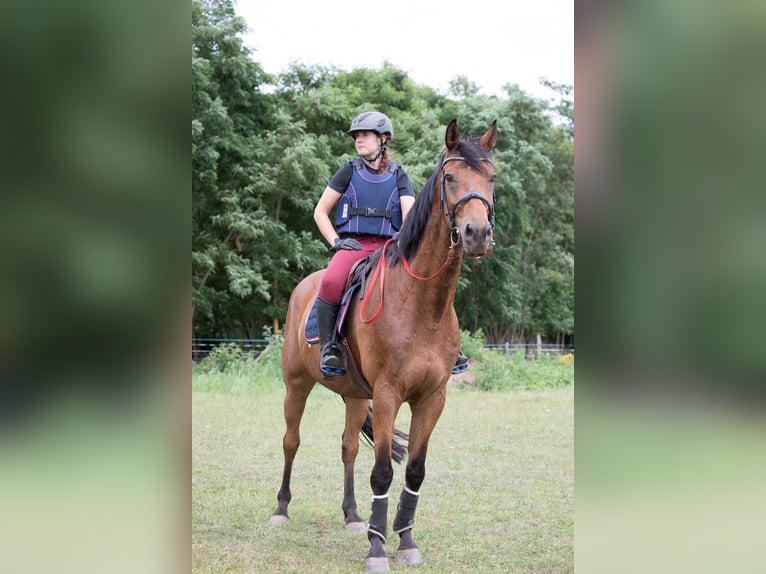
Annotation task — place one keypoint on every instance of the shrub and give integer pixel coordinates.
(494, 370)
(228, 367)
(472, 344)
(227, 358)
(269, 362)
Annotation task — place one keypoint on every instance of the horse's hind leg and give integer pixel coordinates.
(295, 403)
(356, 413)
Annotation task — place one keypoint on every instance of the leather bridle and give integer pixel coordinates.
(471, 194)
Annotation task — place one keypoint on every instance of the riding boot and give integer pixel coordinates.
(461, 364)
(330, 355)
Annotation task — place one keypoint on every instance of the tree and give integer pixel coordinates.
(227, 109)
(531, 274)
(461, 87)
(262, 157)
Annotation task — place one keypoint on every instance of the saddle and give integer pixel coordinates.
(357, 280)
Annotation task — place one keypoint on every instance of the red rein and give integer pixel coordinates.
(380, 270)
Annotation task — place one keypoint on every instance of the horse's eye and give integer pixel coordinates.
(448, 178)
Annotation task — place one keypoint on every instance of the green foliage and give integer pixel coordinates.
(531, 272)
(494, 370)
(472, 344)
(263, 149)
(269, 362)
(227, 359)
(461, 87)
(228, 367)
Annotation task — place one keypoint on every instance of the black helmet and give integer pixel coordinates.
(373, 122)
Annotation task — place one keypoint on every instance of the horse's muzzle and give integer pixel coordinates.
(477, 239)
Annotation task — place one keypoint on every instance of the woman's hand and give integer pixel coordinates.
(346, 243)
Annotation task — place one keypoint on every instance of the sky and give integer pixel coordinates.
(491, 42)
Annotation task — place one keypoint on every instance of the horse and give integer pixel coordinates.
(401, 340)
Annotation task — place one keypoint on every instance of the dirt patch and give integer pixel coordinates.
(464, 378)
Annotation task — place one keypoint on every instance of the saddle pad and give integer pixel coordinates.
(312, 331)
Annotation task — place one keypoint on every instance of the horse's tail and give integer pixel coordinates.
(398, 444)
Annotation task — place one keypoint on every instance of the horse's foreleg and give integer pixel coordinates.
(408, 552)
(356, 413)
(295, 403)
(424, 417)
(383, 415)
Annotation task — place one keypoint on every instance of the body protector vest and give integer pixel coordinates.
(370, 205)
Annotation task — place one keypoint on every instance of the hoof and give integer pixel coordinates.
(356, 527)
(377, 565)
(277, 519)
(409, 557)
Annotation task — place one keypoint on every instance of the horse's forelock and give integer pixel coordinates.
(476, 157)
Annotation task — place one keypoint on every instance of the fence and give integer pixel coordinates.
(203, 347)
(531, 348)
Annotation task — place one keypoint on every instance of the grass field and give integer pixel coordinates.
(498, 494)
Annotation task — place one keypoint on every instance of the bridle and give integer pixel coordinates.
(472, 194)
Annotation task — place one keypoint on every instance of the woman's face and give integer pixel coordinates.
(367, 143)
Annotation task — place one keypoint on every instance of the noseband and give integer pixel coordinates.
(450, 213)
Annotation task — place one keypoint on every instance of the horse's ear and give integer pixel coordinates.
(452, 138)
(489, 139)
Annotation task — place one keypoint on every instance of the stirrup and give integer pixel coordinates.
(461, 364)
(333, 352)
(332, 371)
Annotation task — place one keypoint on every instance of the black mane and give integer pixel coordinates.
(476, 157)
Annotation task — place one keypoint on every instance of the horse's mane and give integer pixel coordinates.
(414, 225)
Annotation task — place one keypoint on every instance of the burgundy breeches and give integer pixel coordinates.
(336, 275)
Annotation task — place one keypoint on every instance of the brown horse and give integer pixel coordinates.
(403, 338)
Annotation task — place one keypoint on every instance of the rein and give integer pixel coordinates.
(450, 257)
(380, 270)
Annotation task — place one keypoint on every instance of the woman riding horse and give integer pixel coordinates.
(371, 196)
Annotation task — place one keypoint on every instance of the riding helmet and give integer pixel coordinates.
(373, 122)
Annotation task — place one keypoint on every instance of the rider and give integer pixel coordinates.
(371, 195)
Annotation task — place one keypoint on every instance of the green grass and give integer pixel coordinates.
(498, 494)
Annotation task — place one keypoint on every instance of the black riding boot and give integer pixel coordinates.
(330, 355)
